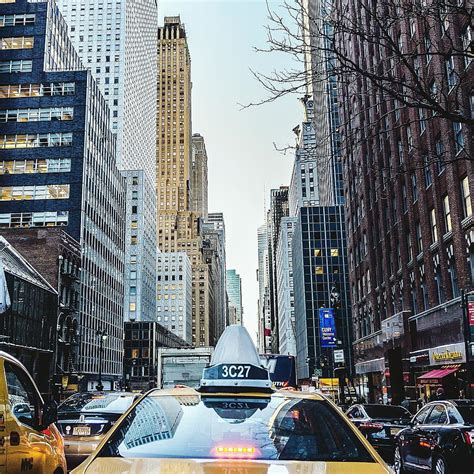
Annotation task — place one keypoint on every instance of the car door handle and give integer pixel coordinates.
(14, 438)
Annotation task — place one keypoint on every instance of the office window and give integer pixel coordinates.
(35, 140)
(466, 197)
(133, 307)
(317, 252)
(133, 240)
(14, 91)
(7, 1)
(433, 226)
(447, 214)
(56, 165)
(37, 115)
(135, 352)
(319, 270)
(24, 65)
(20, 42)
(34, 219)
(27, 193)
(133, 290)
(334, 252)
(17, 20)
(134, 225)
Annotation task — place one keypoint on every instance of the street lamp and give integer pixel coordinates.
(102, 334)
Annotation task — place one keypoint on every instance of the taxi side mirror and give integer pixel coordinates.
(49, 414)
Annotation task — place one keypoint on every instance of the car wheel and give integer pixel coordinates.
(440, 466)
(398, 463)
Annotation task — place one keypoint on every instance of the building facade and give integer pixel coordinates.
(59, 169)
(199, 192)
(264, 318)
(409, 183)
(174, 294)
(234, 293)
(286, 294)
(117, 42)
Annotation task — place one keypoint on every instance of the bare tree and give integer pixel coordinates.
(409, 62)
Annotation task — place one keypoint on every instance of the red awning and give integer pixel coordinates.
(438, 373)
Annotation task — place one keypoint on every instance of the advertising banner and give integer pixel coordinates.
(327, 327)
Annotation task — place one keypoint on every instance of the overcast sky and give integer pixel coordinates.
(243, 163)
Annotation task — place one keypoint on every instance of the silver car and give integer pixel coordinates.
(84, 418)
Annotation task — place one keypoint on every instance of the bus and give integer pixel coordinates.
(282, 369)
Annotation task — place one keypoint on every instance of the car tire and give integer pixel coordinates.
(397, 462)
(440, 466)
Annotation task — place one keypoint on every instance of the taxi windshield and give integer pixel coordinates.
(276, 428)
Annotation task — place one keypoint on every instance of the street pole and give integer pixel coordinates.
(102, 337)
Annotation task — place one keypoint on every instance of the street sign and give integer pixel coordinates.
(338, 355)
(318, 372)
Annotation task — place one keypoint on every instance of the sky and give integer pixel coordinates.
(242, 160)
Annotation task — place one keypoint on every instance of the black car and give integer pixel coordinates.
(439, 439)
(380, 424)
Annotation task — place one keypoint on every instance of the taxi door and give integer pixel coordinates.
(26, 447)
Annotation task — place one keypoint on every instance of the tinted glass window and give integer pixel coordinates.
(22, 396)
(453, 416)
(467, 412)
(437, 415)
(276, 428)
(422, 414)
(386, 411)
(97, 402)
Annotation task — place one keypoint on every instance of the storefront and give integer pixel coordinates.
(440, 367)
(370, 381)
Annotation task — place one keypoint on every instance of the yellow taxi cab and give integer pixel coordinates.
(29, 440)
(234, 423)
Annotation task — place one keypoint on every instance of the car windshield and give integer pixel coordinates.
(211, 427)
(467, 413)
(388, 412)
(97, 403)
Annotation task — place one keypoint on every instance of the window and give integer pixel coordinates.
(24, 65)
(419, 240)
(17, 20)
(433, 226)
(422, 120)
(458, 137)
(319, 270)
(133, 240)
(334, 252)
(404, 199)
(57, 165)
(414, 187)
(439, 149)
(135, 353)
(409, 247)
(34, 219)
(317, 252)
(35, 140)
(134, 225)
(468, 45)
(37, 115)
(447, 214)
(133, 307)
(14, 91)
(20, 42)
(22, 396)
(451, 75)
(133, 290)
(25, 193)
(437, 416)
(427, 172)
(466, 197)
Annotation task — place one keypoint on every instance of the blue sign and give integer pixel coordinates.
(327, 327)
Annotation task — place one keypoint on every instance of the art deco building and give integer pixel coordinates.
(117, 42)
(199, 192)
(179, 227)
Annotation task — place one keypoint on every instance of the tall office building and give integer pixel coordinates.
(117, 41)
(199, 192)
(58, 167)
(174, 294)
(410, 233)
(279, 208)
(179, 227)
(234, 292)
(214, 226)
(286, 296)
(264, 317)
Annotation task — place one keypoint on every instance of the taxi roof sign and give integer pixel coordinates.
(235, 365)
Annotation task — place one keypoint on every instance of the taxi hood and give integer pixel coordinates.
(217, 466)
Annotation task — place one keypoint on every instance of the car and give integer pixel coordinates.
(29, 440)
(440, 439)
(380, 424)
(85, 418)
(233, 422)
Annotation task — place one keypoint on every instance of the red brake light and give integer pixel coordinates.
(469, 437)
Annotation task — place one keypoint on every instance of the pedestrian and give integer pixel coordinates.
(440, 394)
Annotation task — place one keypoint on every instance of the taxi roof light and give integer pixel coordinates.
(235, 365)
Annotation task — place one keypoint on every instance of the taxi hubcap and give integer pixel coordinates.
(440, 467)
(398, 462)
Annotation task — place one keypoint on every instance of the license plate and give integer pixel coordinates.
(394, 431)
(81, 431)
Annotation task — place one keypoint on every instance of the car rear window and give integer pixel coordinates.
(386, 412)
(467, 413)
(93, 403)
(209, 427)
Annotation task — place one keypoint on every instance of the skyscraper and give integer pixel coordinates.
(179, 227)
(199, 193)
(264, 317)
(234, 292)
(117, 41)
(59, 167)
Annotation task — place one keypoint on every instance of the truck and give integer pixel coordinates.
(182, 366)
